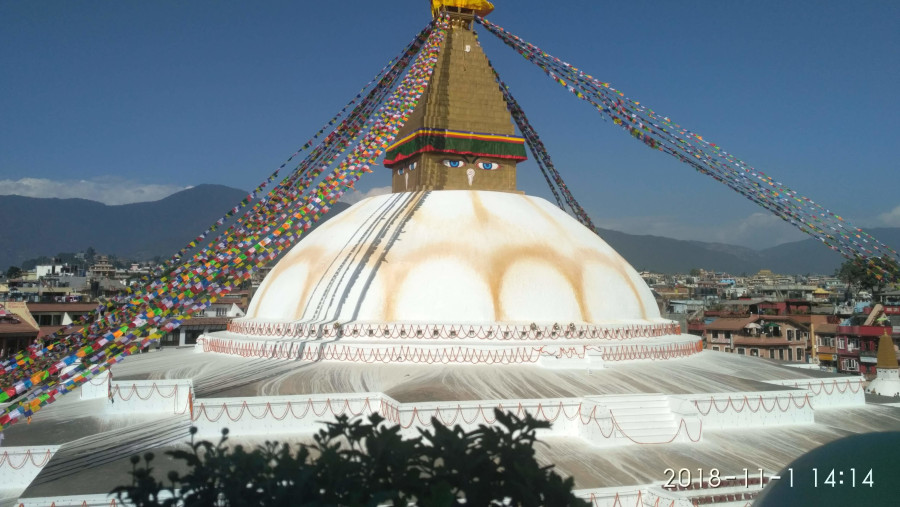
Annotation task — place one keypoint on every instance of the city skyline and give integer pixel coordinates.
(123, 103)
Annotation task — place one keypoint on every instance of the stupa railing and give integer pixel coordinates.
(496, 332)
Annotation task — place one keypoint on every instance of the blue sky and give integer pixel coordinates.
(128, 101)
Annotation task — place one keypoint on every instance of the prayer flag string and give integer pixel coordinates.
(661, 133)
(120, 330)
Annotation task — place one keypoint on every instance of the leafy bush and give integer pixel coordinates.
(364, 463)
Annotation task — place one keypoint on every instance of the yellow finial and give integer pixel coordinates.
(887, 358)
(479, 7)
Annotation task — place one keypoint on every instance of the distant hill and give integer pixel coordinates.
(671, 255)
(31, 227)
(667, 255)
(812, 256)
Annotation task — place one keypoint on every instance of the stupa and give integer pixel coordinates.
(456, 265)
(887, 381)
(452, 296)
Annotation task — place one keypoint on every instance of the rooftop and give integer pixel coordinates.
(61, 307)
(98, 442)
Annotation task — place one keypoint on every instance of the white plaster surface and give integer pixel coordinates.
(96, 443)
(751, 409)
(20, 465)
(887, 383)
(830, 392)
(453, 256)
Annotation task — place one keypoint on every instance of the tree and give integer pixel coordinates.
(873, 274)
(357, 463)
(13, 272)
(695, 272)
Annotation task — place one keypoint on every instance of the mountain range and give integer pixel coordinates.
(31, 227)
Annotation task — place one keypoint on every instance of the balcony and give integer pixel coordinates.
(762, 341)
(849, 350)
(868, 356)
(873, 331)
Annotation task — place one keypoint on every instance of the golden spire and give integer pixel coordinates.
(887, 358)
(477, 7)
(460, 136)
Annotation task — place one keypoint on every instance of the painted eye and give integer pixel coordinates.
(453, 162)
(488, 166)
(400, 172)
(412, 167)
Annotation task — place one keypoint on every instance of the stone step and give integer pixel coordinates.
(650, 434)
(639, 411)
(645, 419)
(635, 401)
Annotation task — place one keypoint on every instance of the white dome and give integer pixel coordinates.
(474, 257)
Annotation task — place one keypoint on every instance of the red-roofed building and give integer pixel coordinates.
(768, 336)
(826, 346)
(857, 348)
(51, 317)
(18, 329)
(59, 314)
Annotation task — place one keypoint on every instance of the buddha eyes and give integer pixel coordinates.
(456, 163)
(409, 168)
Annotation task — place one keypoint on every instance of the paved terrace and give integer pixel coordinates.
(97, 444)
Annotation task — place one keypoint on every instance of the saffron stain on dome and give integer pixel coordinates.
(304, 255)
(462, 254)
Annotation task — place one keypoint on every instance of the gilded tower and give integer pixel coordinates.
(460, 136)
(887, 380)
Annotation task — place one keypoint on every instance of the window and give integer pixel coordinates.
(715, 334)
(728, 334)
(716, 348)
(790, 335)
(841, 343)
(781, 354)
(771, 354)
(849, 365)
(170, 338)
(790, 354)
(191, 337)
(221, 312)
(799, 354)
(741, 350)
(754, 352)
(49, 320)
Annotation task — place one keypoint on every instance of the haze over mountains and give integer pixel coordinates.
(31, 227)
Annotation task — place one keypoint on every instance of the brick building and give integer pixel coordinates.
(768, 336)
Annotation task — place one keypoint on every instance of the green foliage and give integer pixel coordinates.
(360, 463)
(13, 272)
(872, 274)
(61, 258)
